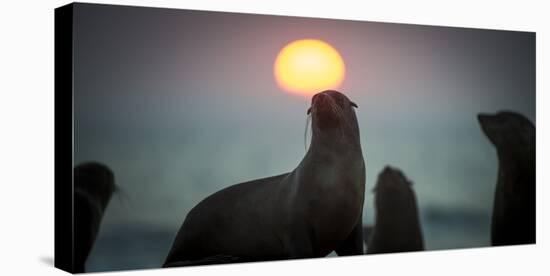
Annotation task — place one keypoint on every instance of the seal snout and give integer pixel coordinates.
(321, 100)
(487, 123)
(392, 177)
(332, 110)
(483, 118)
(328, 102)
(326, 111)
(388, 171)
(331, 101)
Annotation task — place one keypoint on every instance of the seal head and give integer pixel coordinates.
(334, 119)
(510, 132)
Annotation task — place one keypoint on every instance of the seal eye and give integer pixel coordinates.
(354, 104)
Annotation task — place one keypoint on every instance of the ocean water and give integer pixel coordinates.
(163, 177)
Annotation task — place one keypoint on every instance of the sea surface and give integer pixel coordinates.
(163, 177)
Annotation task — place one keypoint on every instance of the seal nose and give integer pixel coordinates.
(485, 119)
(321, 98)
(318, 100)
(482, 117)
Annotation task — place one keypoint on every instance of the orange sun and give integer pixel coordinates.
(308, 66)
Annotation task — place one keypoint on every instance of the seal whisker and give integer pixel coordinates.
(308, 121)
(123, 196)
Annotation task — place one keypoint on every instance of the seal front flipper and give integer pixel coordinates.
(298, 244)
(353, 245)
(367, 231)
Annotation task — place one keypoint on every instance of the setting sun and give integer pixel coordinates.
(308, 66)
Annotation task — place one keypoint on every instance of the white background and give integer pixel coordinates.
(27, 136)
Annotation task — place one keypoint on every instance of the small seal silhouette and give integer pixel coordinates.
(397, 227)
(94, 184)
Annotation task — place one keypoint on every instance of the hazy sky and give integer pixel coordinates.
(183, 103)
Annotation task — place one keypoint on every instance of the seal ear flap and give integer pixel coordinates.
(354, 104)
(308, 111)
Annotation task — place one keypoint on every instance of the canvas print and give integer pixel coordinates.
(203, 138)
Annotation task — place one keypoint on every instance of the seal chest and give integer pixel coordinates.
(334, 196)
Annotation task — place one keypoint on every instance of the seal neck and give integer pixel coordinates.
(516, 159)
(335, 143)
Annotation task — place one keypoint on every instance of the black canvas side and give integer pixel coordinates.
(64, 235)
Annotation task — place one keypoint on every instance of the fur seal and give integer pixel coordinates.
(308, 212)
(514, 206)
(94, 185)
(397, 227)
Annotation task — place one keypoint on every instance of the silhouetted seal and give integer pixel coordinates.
(514, 208)
(94, 184)
(309, 212)
(397, 227)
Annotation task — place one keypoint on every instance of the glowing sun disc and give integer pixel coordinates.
(308, 66)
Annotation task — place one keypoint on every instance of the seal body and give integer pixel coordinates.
(94, 185)
(514, 206)
(397, 227)
(308, 212)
